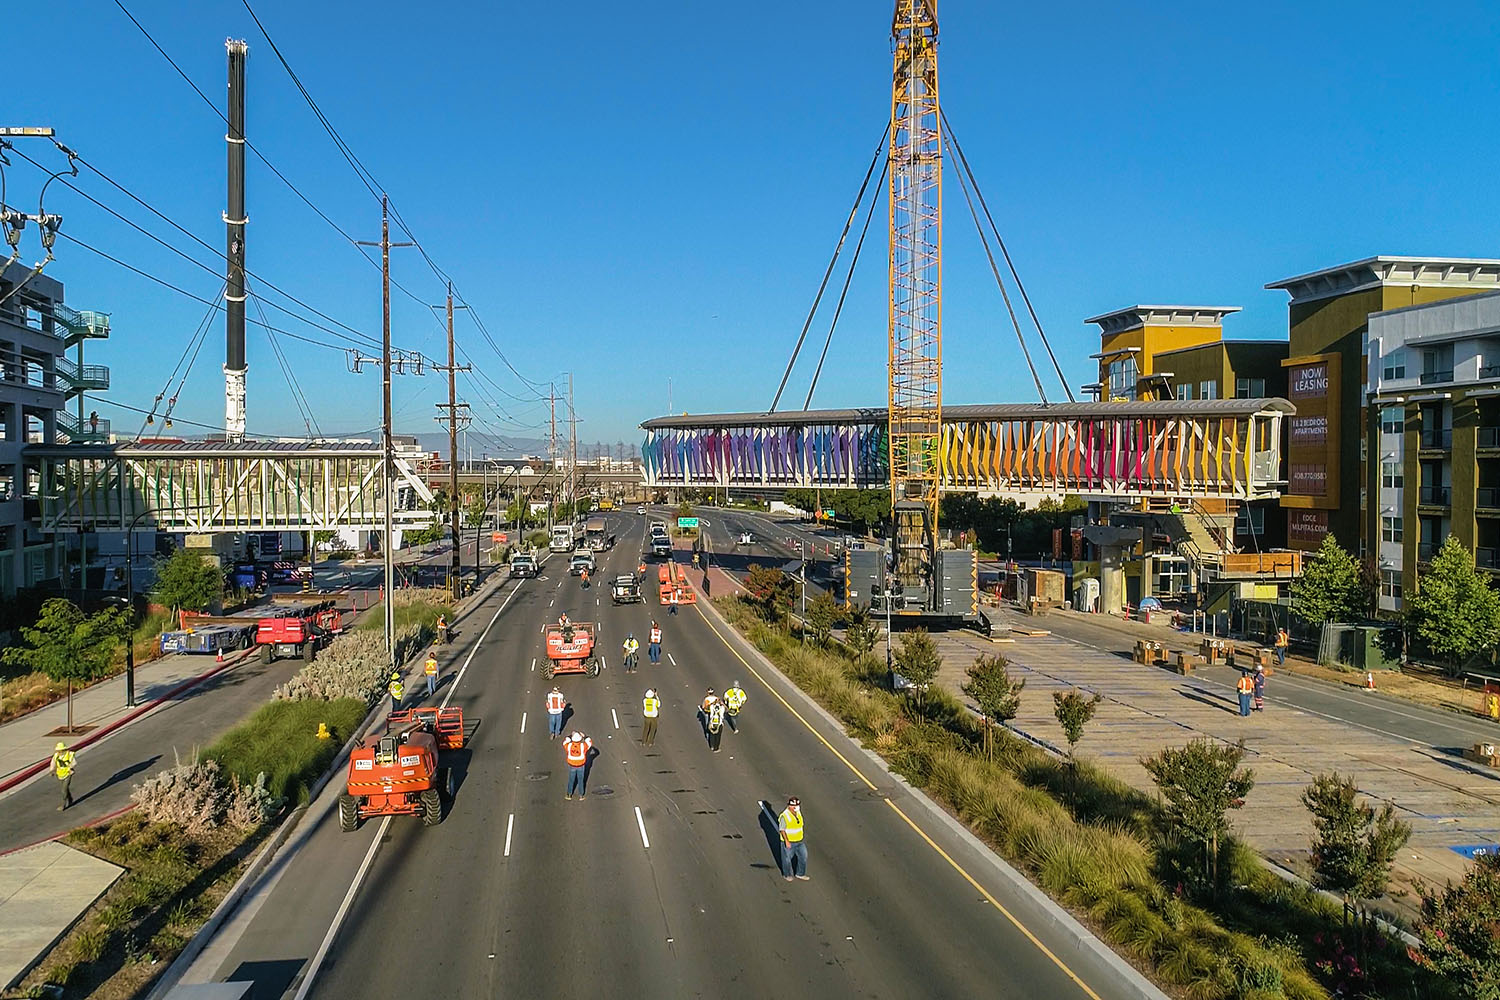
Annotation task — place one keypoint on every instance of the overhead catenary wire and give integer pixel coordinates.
(190, 350)
(844, 292)
(832, 263)
(299, 398)
(1020, 338)
(1020, 285)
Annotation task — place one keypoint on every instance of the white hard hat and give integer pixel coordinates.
(650, 692)
(576, 736)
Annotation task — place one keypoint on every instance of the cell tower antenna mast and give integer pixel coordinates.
(234, 222)
(916, 287)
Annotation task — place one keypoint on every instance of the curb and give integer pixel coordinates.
(242, 886)
(1128, 978)
(140, 710)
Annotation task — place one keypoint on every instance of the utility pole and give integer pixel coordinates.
(552, 458)
(453, 418)
(234, 255)
(572, 450)
(388, 450)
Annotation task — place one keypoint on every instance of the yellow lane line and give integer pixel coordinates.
(989, 897)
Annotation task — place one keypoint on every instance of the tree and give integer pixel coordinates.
(918, 661)
(822, 616)
(1454, 612)
(69, 646)
(997, 694)
(770, 592)
(1073, 712)
(1354, 845)
(1329, 588)
(1201, 782)
(188, 580)
(862, 633)
(1460, 931)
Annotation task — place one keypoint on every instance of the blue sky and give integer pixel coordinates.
(641, 193)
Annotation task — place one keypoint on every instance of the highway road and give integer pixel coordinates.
(663, 881)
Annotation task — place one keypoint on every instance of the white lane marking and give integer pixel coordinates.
(533, 664)
(551, 602)
(645, 842)
(509, 825)
(612, 715)
(672, 658)
(453, 688)
(523, 722)
(338, 918)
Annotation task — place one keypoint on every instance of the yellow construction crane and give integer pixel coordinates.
(916, 298)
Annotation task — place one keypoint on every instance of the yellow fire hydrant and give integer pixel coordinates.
(323, 733)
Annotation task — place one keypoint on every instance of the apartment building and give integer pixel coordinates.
(38, 385)
(1433, 392)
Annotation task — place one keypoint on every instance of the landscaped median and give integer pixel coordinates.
(197, 825)
(1099, 847)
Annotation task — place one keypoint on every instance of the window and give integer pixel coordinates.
(1392, 419)
(1249, 388)
(1390, 584)
(1250, 521)
(1123, 376)
(1185, 391)
(1395, 365)
(1208, 390)
(1391, 475)
(1390, 529)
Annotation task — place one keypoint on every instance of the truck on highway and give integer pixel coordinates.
(563, 538)
(288, 625)
(595, 535)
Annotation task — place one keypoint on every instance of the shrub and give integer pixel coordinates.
(1460, 931)
(1201, 782)
(277, 749)
(193, 796)
(353, 666)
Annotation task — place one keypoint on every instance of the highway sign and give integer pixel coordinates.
(499, 537)
(828, 513)
(687, 522)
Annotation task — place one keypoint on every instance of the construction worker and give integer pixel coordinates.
(640, 572)
(585, 576)
(576, 748)
(442, 629)
(715, 724)
(650, 710)
(672, 606)
(632, 649)
(709, 701)
(734, 700)
(1282, 641)
(1246, 688)
(396, 689)
(653, 647)
(430, 670)
(793, 847)
(1259, 682)
(62, 766)
(556, 705)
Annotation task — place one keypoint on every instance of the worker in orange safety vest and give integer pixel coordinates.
(653, 646)
(556, 705)
(576, 748)
(1246, 688)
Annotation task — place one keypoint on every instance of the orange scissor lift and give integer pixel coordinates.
(399, 772)
(672, 578)
(570, 649)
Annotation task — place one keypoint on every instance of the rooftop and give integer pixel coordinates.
(1132, 317)
(1372, 272)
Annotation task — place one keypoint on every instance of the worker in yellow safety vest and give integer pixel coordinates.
(632, 650)
(793, 847)
(650, 710)
(1282, 641)
(430, 670)
(396, 689)
(62, 766)
(734, 700)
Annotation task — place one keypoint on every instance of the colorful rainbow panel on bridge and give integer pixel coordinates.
(1221, 448)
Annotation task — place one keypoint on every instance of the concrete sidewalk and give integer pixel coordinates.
(43, 891)
(1452, 808)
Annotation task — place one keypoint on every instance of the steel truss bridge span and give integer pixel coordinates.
(210, 487)
(1221, 449)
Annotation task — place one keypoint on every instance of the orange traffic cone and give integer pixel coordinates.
(219, 655)
(1369, 681)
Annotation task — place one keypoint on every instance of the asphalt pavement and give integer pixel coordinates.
(663, 881)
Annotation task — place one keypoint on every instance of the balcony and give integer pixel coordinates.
(79, 325)
(90, 432)
(1426, 550)
(1487, 497)
(1436, 496)
(1432, 378)
(1437, 438)
(76, 379)
(1487, 558)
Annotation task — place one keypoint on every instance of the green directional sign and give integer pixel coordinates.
(829, 512)
(687, 522)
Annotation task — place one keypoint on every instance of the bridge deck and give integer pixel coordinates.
(1222, 448)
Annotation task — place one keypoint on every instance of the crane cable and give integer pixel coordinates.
(964, 163)
(844, 292)
(832, 263)
(1020, 339)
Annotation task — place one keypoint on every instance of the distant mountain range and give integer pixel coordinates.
(519, 446)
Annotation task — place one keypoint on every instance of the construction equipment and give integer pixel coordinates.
(287, 625)
(399, 772)
(672, 579)
(570, 649)
(625, 589)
